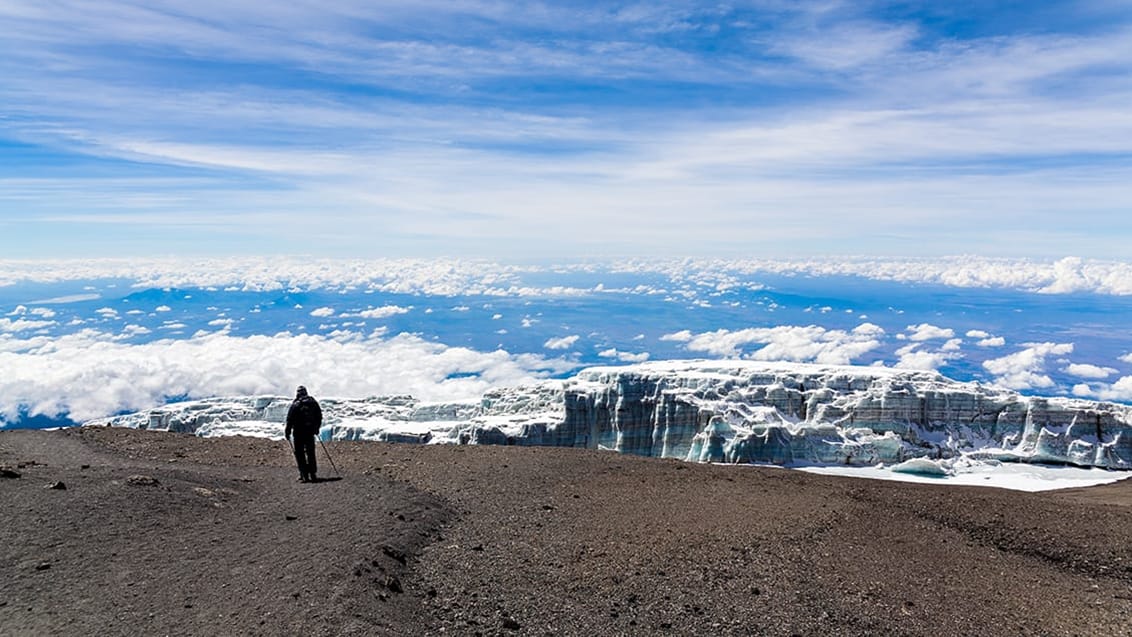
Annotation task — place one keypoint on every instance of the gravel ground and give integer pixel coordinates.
(158, 533)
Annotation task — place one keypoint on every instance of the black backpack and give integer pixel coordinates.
(307, 417)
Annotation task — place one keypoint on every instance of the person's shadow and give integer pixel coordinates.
(334, 479)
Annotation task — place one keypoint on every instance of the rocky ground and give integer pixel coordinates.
(115, 531)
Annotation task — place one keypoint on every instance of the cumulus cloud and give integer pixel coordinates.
(952, 345)
(92, 373)
(1126, 358)
(624, 357)
(22, 325)
(791, 343)
(912, 356)
(985, 339)
(566, 342)
(322, 312)
(1085, 370)
(1025, 369)
(1121, 390)
(384, 311)
(927, 332)
(683, 336)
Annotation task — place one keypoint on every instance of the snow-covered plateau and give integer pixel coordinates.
(729, 411)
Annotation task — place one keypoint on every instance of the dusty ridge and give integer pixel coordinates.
(160, 533)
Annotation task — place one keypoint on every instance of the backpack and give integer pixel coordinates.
(307, 416)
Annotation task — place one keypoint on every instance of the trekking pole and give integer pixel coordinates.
(327, 452)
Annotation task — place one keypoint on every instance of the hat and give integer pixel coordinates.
(301, 391)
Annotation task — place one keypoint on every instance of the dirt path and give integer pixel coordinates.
(136, 547)
(529, 541)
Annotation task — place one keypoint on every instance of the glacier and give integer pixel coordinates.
(721, 411)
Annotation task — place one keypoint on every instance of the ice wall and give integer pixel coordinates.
(724, 411)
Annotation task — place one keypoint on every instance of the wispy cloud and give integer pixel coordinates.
(474, 127)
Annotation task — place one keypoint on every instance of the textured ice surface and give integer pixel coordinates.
(721, 411)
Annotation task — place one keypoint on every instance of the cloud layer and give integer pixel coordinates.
(92, 373)
(563, 129)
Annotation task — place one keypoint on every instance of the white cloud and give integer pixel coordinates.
(92, 373)
(624, 357)
(1025, 369)
(565, 342)
(922, 360)
(1126, 358)
(927, 332)
(994, 341)
(135, 330)
(22, 325)
(952, 345)
(1085, 370)
(980, 334)
(322, 312)
(379, 312)
(1121, 390)
(456, 277)
(791, 343)
(914, 356)
(683, 336)
(162, 308)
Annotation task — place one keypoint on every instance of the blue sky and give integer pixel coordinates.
(566, 129)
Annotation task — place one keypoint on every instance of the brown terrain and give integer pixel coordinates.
(168, 534)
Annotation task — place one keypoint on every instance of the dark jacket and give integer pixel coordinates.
(304, 417)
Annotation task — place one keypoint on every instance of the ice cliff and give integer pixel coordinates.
(718, 411)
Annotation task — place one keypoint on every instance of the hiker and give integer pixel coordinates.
(304, 418)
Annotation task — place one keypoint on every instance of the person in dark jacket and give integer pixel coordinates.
(304, 419)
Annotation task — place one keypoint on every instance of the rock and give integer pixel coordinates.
(394, 553)
(510, 624)
(5, 472)
(142, 480)
(57, 485)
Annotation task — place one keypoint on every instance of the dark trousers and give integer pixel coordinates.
(304, 455)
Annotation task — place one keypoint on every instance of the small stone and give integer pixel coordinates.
(394, 553)
(57, 485)
(142, 480)
(510, 624)
(290, 518)
(5, 472)
(43, 566)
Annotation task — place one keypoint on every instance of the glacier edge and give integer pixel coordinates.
(731, 411)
